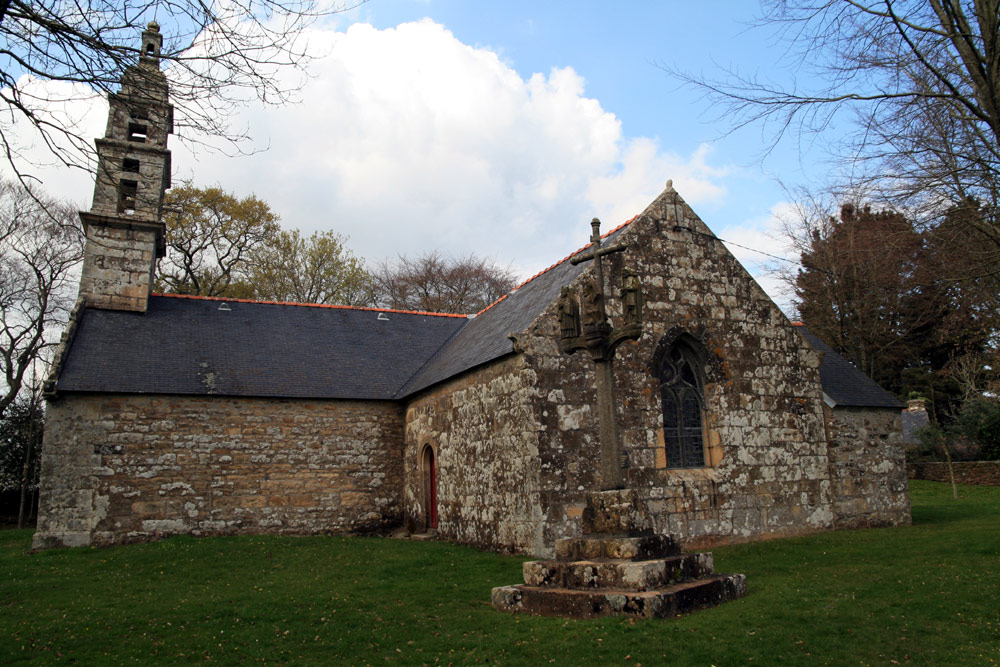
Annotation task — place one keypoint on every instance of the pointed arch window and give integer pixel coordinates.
(682, 396)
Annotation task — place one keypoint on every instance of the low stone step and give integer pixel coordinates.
(670, 601)
(628, 575)
(624, 548)
(424, 537)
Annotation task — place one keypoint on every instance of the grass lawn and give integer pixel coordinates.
(927, 594)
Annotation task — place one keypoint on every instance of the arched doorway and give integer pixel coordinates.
(428, 468)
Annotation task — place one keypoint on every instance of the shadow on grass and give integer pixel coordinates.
(935, 503)
(938, 514)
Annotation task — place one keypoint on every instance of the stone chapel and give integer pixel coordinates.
(182, 415)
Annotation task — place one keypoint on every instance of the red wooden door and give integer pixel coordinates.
(432, 501)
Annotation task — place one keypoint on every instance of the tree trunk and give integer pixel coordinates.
(951, 471)
(28, 453)
(21, 511)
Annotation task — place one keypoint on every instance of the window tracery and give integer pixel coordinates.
(682, 397)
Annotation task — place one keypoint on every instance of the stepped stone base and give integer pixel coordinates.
(673, 600)
(645, 575)
(618, 568)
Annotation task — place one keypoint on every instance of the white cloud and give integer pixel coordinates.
(407, 140)
(640, 178)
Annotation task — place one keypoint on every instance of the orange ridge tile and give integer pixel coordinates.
(561, 261)
(309, 305)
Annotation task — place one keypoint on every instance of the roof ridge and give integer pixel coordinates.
(309, 305)
(561, 261)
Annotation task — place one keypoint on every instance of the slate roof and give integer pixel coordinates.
(187, 345)
(485, 337)
(843, 382)
(198, 346)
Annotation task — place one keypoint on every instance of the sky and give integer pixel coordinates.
(501, 129)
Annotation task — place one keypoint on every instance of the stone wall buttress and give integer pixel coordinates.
(867, 467)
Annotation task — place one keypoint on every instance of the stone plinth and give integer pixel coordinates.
(616, 512)
(624, 569)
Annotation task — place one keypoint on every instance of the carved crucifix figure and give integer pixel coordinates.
(569, 314)
(631, 299)
(601, 339)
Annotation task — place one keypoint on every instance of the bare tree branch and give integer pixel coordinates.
(41, 246)
(919, 80)
(217, 56)
(432, 283)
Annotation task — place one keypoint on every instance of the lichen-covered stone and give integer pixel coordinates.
(514, 442)
(617, 512)
(867, 468)
(121, 468)
(674, 600)
(486, 441)
(517, 440)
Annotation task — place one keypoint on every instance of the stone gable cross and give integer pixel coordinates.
(601, 339)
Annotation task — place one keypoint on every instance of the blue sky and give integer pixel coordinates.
(500, 129)
(621, 51)
(616, 47)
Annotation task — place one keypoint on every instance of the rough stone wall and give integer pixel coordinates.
(118, 266)
(118, 468)
(768, 471)
(867, 468)
(150, 171)
(485, 436)
(966, 472)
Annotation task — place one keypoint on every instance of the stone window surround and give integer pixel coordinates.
(683, 354)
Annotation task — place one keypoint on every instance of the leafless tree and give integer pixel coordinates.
(41, 246)
(217, 55)
(436, 284)
(919, 80)
(21, 428)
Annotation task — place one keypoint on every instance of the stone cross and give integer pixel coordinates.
(601, 339)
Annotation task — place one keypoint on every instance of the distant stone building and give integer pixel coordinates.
(915, 417)
(172, 414)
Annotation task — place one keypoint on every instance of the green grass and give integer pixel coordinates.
(926, 594)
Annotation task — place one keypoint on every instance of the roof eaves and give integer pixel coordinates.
(50, 387)
(844, 384)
